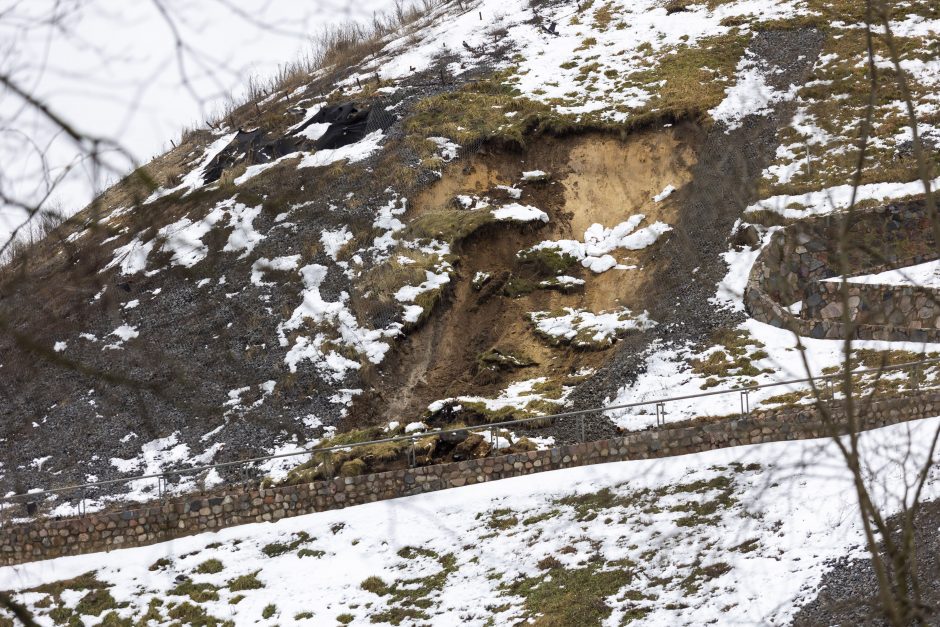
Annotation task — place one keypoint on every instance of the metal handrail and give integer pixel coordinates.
(489, 426)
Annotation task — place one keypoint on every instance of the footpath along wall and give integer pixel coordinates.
(178, 517)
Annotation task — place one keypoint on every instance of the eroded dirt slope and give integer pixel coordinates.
(593, 179)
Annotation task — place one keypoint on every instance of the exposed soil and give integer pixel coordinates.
(684, 271)
(595, 179)
(606, 180)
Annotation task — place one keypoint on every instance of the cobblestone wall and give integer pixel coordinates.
(793, 266)
(907, 306)
(159, 521)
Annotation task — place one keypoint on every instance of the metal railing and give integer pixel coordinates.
(163, 478)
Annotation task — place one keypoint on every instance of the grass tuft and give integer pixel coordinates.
(246, 582)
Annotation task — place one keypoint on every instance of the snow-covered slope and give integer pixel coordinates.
(737, 536)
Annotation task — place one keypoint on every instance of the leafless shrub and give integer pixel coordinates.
(41, 225)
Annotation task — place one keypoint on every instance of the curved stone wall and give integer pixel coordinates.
(793, 267)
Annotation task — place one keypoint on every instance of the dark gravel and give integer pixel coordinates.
(197, 341)
(848, 593)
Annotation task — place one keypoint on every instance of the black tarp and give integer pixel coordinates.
(349, 123)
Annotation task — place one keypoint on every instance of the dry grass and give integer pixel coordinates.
(448, 225)
(693, 78)
(477, 112)
(38, 228)
(333, 53)
(835, 99)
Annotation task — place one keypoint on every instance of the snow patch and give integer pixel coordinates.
(826, 201)
(283, 264)
(353, 153)
(599, 242)
(750, 95)
(333, 241)
(667, 191)
(580, 327)
(365, 342)
(520, 213)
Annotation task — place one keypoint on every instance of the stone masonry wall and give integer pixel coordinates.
(908, 306)
(793, 266)
(178, 517)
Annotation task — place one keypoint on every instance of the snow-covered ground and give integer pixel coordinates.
(735, 536)
(594, 252)
(925, 274)
(824, 201)
(669, 374)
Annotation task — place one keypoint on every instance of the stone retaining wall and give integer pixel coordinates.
(908, 306)
(793, 266)
(178, 517)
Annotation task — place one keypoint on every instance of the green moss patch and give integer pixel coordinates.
(448, 225)
(504, 359)
(274, 549)
(587, 506)
(188, 614)
(375, 585)
(500, 519)
(209, 567)
(547, 261)
(198, 592)
(95, 602)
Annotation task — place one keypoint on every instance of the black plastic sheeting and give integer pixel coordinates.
(349, 123)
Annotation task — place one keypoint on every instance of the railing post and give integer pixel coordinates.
(412, 454)
(660, 414)
(914, 377)
(82, 506)
(745, 403)
(581, 427)
(164, 486)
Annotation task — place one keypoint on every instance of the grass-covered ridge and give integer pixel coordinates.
(820, 148)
